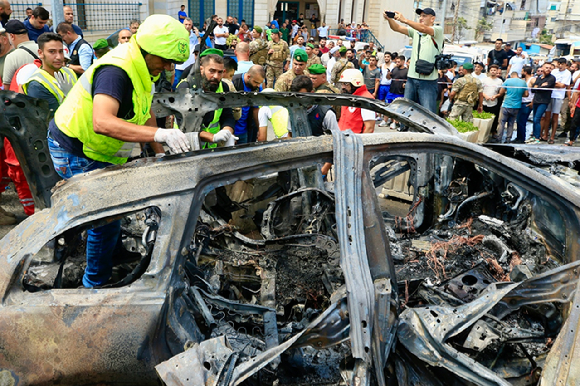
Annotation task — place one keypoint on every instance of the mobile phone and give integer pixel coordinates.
(390, 14)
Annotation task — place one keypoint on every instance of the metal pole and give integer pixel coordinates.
(443, 13)
(57, 13)
(502, 20)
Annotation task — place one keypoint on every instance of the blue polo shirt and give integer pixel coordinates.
(34, 33)
(514, 90)
(241, 126)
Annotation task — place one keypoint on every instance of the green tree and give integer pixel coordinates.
(482, 27)
(458, 27)
(545, 37)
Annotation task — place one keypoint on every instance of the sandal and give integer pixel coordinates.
(569, 143)
(551, 142)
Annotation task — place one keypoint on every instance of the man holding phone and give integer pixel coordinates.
(427, 38)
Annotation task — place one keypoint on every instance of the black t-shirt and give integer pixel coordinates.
(232, 28)
(543, 96)
(398, 78)
(497, 57)
(108, 80)
(354, 62)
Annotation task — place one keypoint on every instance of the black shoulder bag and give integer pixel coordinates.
(424, 67)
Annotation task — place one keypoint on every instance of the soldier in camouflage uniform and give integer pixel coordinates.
(258, 47)
(277, 52)
(340, 65)
(312, 57)
(318, 78)
(464, 93)
(298, 68)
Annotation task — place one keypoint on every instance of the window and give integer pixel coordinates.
(242, 9)
(201, 10)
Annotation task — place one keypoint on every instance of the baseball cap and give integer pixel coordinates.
(15, 27)
(426, 11)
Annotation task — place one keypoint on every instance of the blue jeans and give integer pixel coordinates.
(508, 116)
(423, 92)
(522, 121)
(539, 110)
(242, 138)
(101, 241)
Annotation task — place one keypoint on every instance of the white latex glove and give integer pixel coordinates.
(174, 138)
(231, 141)
(222, 136)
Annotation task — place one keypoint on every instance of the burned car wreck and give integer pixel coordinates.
(423, 259)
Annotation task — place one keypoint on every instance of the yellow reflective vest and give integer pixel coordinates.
(56, 88)
(75, 116)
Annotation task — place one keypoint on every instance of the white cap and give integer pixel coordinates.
(333, 51)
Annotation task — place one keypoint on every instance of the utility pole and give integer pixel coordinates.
(565, 19)
(443, 13)
(57, 13)
(453, 36)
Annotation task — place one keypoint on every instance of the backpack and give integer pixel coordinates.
(469, 92)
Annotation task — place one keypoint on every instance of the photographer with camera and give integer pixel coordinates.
(427, 46)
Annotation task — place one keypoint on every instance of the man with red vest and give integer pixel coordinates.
(354, 118)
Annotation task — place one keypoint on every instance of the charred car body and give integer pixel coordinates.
(243, 266)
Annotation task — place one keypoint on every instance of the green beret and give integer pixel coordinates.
(468, 66)
(310, 45)
(300, 55)
(274, 31)
(101, 43)
(258, 29)
(317, 69)
(212, 51)
(342, 49)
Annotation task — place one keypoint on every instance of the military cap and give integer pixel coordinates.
(274, 31)
(100, 43)
(310, 45)
(258, 29)
(300, 55)
(317, 69)
(212, 51)
(342, 49)
(468, 66)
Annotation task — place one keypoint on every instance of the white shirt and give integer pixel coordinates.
(384, 71)
(490, 88)
(329, 66)
(322, 31)
(325, 58)
(481, 76)
(530, 96)
(294, 30)
(561, 77)
(574, 76)
(517, 63)
(220, 30)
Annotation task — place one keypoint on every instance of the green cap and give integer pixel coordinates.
(101, 43)
(274, 31)
(310, 45)
(342, 49)
(258, 29)
(317, 69)
(300, 55)
(468, 66)
(212, 51)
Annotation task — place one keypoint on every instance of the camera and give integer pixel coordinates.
(443, 61)
(390, 14)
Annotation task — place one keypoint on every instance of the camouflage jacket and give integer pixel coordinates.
(340, 65)
(327, 88)
(281, 51)
(258, 51)
(285, 81)
(313, 59)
